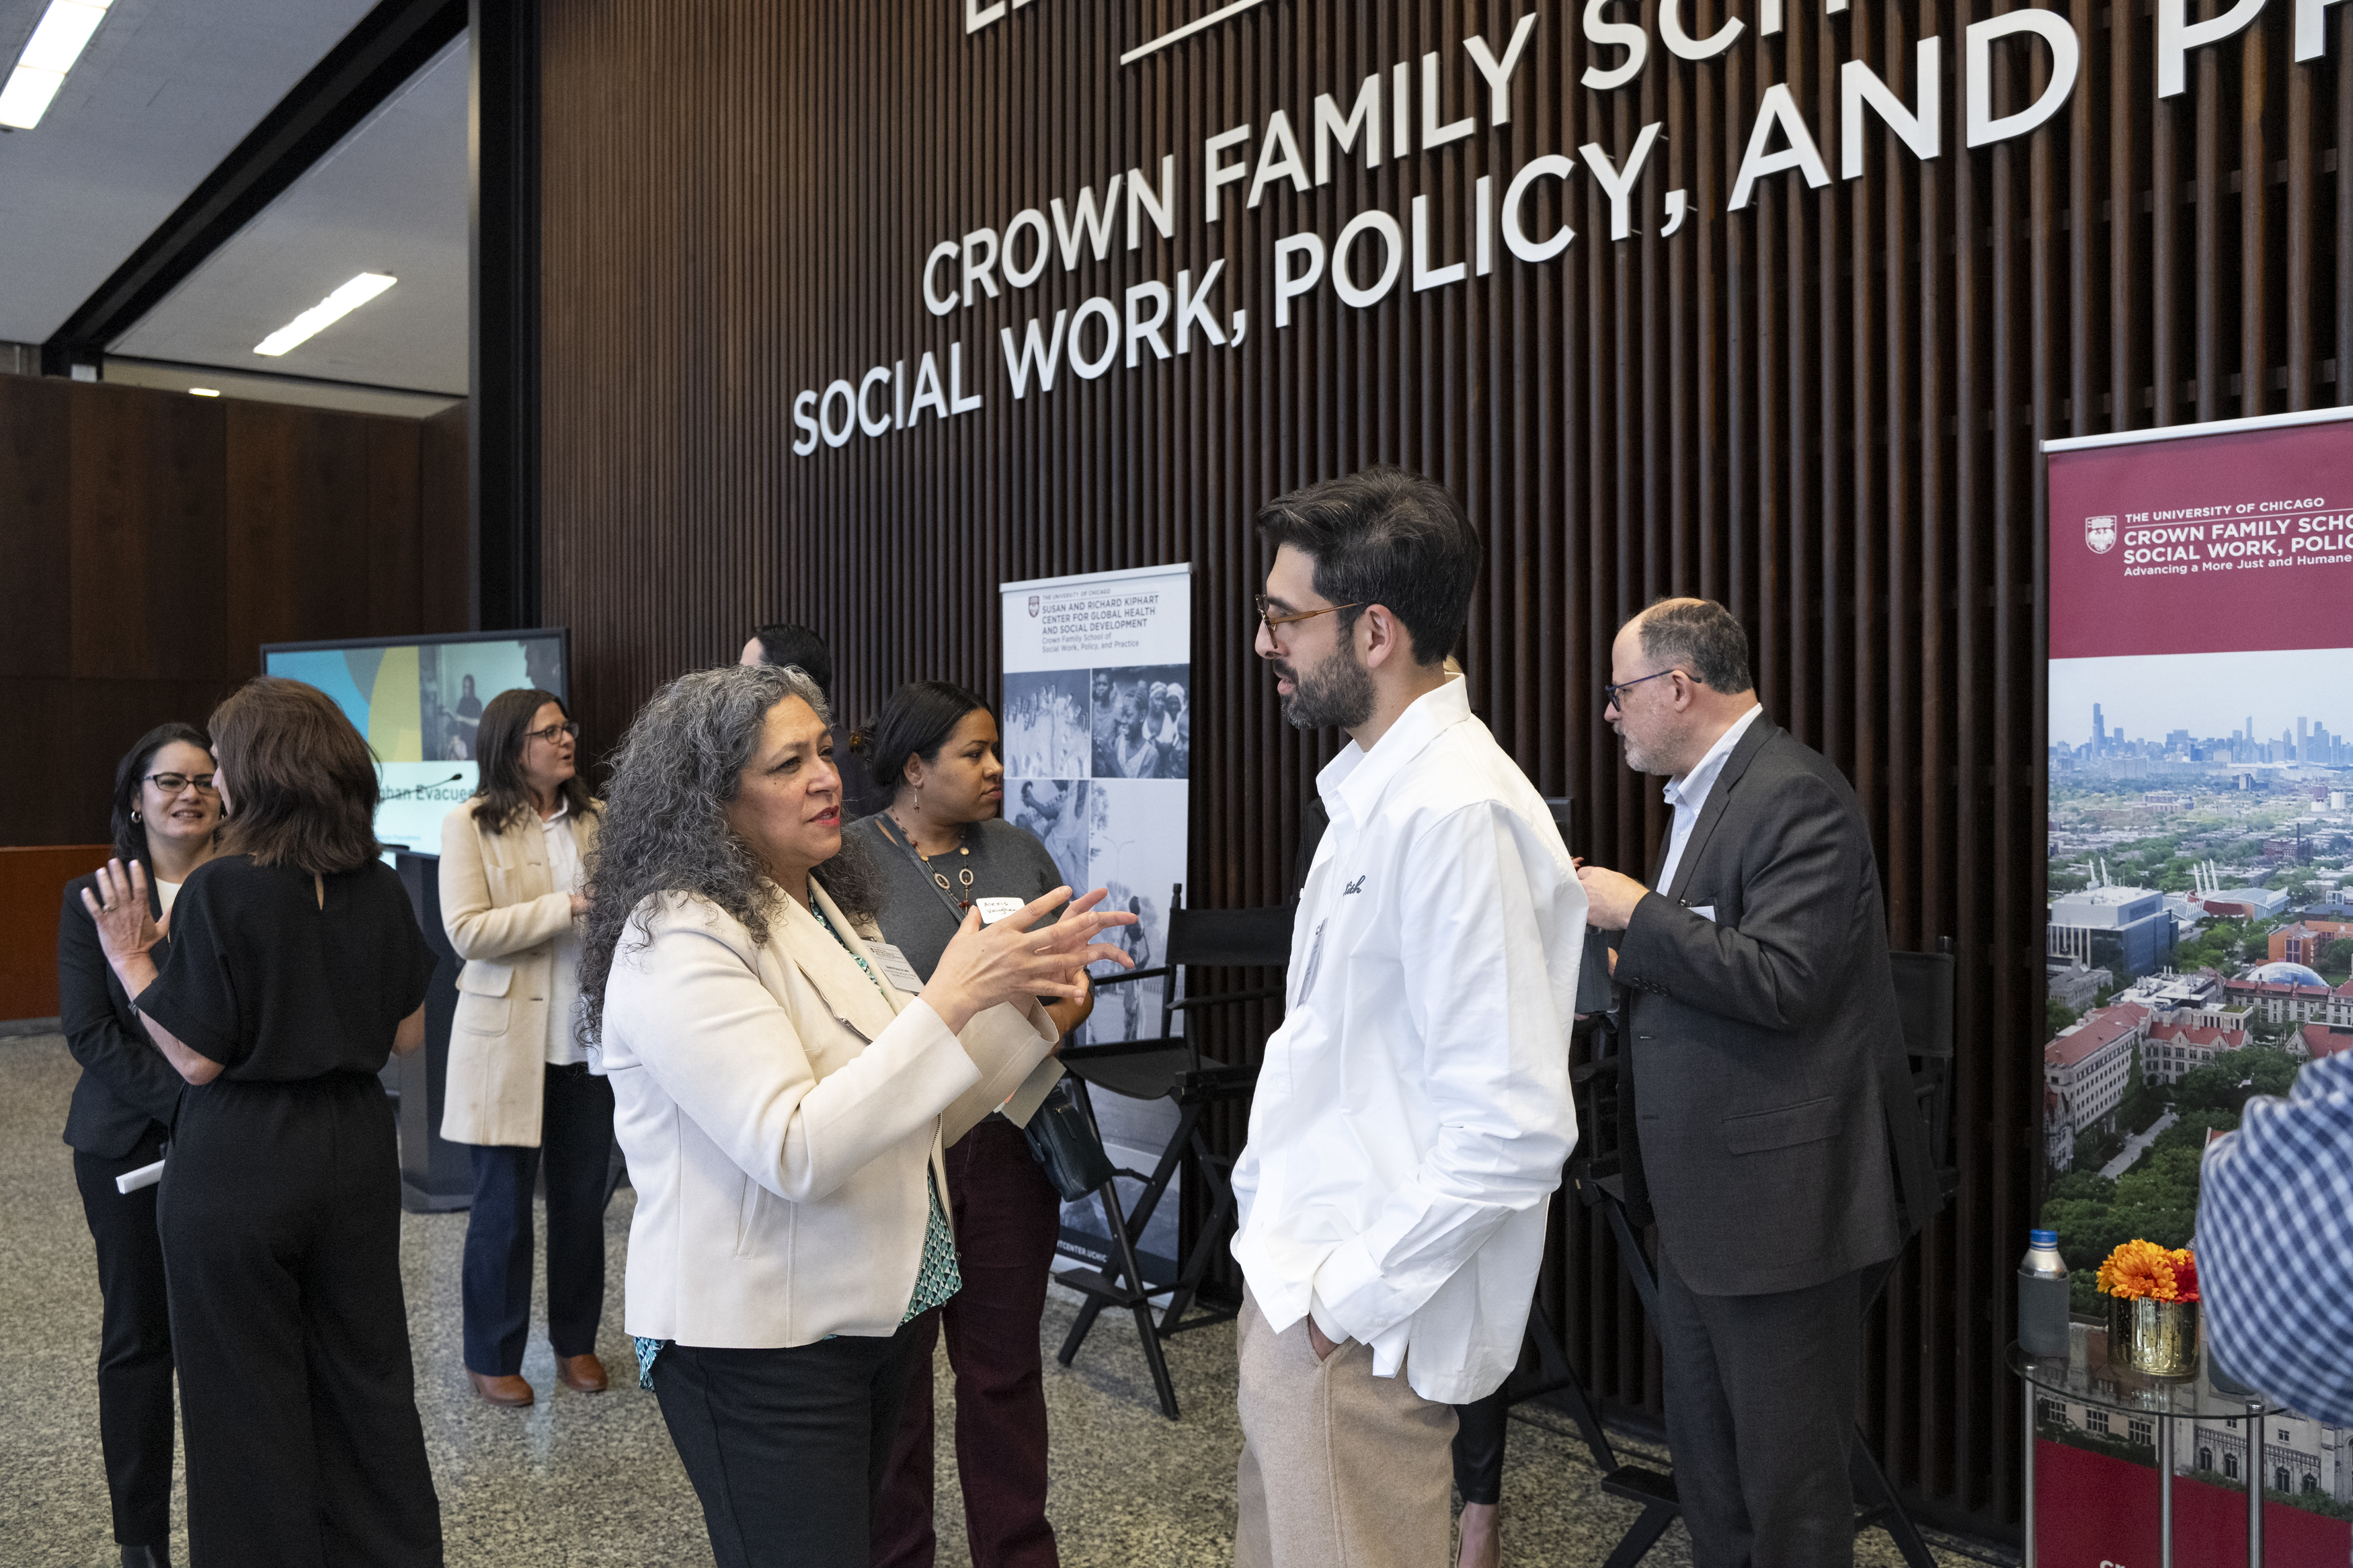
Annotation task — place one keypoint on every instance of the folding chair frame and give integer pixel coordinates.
(1121, 1283)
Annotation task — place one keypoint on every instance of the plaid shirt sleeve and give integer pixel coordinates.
(2276, 1244)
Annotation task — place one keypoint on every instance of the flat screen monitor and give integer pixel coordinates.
(418, 700)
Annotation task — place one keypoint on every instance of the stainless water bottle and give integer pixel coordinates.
(2043, 1296)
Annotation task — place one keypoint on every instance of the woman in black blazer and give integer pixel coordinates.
(167, 814)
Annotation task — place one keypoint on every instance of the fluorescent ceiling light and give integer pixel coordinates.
(325, 313)
(203, 392)
(64, 32)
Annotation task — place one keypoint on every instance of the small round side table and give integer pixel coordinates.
(2086, 1377)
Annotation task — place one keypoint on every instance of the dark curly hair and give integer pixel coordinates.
(664, 825)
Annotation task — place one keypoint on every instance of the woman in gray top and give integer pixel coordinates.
(941, 847)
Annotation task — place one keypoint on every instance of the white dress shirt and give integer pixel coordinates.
(1688, 793)
(563, 1046)
(1413, 1112)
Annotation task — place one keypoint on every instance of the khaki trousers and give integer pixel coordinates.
(1339, 1468)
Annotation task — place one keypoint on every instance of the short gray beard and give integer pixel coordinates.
(1336, 692)
(1649, 762)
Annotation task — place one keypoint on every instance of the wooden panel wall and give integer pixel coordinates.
(30, 883)
(1822, 410)
(152, 541)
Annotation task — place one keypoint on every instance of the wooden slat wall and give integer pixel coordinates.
(150, 542)
(1822, 410)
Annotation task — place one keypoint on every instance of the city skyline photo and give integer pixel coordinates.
(2148, 696)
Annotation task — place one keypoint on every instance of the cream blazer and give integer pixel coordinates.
(499, 906)
(778, 1111)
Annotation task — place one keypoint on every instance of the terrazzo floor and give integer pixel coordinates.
(580, 1481)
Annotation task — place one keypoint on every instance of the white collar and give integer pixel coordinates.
(1694, 786)
(562, 810)
(1356, 778)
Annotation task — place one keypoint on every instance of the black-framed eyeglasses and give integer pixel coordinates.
(1610, 693)
(552, 731)
(173, 783)
(1273, 618)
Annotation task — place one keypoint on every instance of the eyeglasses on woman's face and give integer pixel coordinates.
(173, 783)
(554, 732)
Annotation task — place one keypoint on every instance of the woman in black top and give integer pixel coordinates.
(167, 814)
(939, 847)
(295, 966)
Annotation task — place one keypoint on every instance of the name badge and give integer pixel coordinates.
(894, 967)
(995, 910)
(1314, 961)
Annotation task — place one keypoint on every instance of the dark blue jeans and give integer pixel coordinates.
(576, 1137)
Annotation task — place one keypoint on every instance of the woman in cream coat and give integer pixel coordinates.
(783, 1087)
(513, 892)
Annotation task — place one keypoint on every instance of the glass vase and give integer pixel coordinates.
(2159, 1338)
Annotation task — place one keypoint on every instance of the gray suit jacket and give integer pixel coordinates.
(1773, 1114)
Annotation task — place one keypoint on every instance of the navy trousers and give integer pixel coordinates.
(577, 1138)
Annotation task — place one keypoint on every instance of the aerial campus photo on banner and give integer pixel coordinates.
(2199, 944)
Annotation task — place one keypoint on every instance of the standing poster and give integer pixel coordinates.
(2199, 943)
(1098, 726)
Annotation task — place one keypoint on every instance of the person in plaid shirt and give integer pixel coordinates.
(2276, 1244)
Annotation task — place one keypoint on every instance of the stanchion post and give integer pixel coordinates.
(2026, 1449)
(2254, 1486)
(2165, 1491)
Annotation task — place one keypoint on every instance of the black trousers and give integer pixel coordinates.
(1760, 1416)
(575, 1132)
(134, 1347)
(787, 1448)
(1479, 1448)
(281, 1218)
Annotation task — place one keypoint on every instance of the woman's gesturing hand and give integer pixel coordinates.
(126, 931)
(1007, 962)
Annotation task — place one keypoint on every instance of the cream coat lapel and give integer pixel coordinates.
(853, 999)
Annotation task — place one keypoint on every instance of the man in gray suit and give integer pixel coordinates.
(1773, 1122)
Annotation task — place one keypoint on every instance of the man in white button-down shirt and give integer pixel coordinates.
(1413, 1112)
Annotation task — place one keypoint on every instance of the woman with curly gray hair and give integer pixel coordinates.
(783, 1089)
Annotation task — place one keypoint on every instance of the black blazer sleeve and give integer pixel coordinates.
(126, 1084)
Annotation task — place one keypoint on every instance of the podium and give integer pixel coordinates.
(435, 1175)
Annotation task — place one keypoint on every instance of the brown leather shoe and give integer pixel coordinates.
(510, 1392)
(581, 1373)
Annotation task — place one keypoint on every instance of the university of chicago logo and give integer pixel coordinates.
(1033, 605)
(2099, 532)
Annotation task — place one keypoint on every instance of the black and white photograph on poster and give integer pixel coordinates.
(1111, 648)
(1047, 729)
(1143, 722)
(1056, 811)
(1131, 854)
(1135, 1133)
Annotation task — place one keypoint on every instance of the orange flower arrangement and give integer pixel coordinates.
(2142, 1270)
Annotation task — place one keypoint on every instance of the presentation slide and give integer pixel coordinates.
(418, 701)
